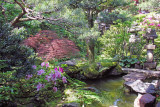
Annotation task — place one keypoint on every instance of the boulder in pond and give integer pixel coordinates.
(146, 100)
(116, 71)
(72, 69)
(81, 69)
(102, 69)
(141, 87)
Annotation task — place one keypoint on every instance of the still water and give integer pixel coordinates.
(111, 92)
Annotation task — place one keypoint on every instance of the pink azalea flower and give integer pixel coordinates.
(55, 89)
(58, 74)
(34, 66)
(42, 64)
(158, 25)
(53, 77)
(40, 72)
(150, 18)
(61, 69)
(55, 83)
(55, 69)
(29, 76)
(47, 64)
(152, 24)
(39, 86)
(144, 21)
(48, 77)
(64, 79)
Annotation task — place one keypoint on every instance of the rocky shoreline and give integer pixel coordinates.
(135, 81)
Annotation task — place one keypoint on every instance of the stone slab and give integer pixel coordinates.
(148, 73)
(131, 77)
(141, 87)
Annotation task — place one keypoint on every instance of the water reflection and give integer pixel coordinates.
(111, 92)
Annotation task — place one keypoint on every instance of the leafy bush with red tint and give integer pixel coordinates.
(49, 46)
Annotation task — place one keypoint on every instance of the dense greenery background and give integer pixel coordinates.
(78, 20)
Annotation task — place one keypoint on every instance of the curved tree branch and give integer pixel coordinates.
(29, 13)
(16, 19)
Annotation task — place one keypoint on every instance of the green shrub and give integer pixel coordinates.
(115, 40)
(128, 61)
(17, 57)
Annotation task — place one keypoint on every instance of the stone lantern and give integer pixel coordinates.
(150, 36)
(102, 27)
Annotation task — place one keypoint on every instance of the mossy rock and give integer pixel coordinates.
(108, 64)
(116, 71)
(95, 70)
(90, 71)
(71, 66)
(71, 69)
(98, 70)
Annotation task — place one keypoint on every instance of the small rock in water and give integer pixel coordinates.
(146, 100)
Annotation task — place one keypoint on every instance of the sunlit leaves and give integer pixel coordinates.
(150, 5)
(90, 33)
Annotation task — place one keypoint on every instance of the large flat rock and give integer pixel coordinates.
(148, 73)
(141, 87)
(133, 76)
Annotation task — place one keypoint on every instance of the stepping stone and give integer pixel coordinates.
(148, 73)
(141, 87)
(131, 77)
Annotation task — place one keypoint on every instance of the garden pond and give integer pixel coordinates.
(111, 92)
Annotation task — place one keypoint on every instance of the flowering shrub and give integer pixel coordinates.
(151, 21)
(47, 76)
(43, 85)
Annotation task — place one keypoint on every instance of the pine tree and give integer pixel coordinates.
(12, 53)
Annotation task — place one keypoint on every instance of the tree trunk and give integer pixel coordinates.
(90, 43)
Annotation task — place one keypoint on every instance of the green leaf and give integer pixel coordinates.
(121, 64)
